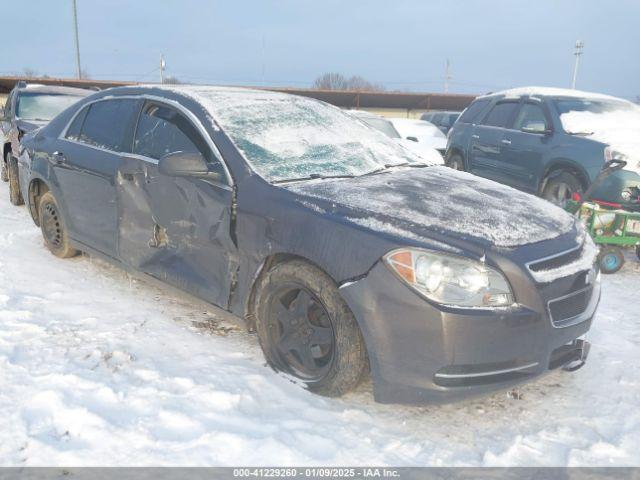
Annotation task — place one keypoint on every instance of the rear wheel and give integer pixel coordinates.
(456, 162)
(638, 251)
(611, 259)
(307, 330)
(14, 183)
(560, 189)
(4, 173)
(53, 228)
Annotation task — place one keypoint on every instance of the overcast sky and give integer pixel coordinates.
(404, 45)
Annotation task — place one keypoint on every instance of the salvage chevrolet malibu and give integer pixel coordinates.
(343, 253)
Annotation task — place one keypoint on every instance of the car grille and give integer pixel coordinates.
(565, 311)
(556, 261)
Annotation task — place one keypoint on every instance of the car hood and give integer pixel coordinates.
(437, 203)
(425, 152)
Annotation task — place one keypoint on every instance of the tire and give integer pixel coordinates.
(456, 162)
(4, 172)
(561, 188)
(14, 184)
(53, 228)
(611, 259)
(297, 304)
(638, 251)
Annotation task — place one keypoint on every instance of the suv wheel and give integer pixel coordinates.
(456, 162)
(14, 183)
(4, 173)
(53, 228)
(306, 330)
(561, 188)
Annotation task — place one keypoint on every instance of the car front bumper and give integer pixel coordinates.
(425, 353)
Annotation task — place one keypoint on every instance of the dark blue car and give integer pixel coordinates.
(342, 252)
(548, 142)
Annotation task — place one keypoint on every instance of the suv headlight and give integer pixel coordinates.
(613, 154)
(450, 279)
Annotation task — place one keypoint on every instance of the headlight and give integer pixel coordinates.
(449, 279)
(612, 154)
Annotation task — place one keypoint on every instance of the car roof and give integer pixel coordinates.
(552, 92)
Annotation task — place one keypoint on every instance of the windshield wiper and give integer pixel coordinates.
(313, 176)
(388, 166)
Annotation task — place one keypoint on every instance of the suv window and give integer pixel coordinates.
(73, 132)
(162, 130)
(107, 124)
(473, 110)
(500, 114)
(530, 116)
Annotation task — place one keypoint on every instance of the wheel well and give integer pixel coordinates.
(37, 188)
(6, 148)
(269, 262)
(563, 167)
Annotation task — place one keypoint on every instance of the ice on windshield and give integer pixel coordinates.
(41, 106)
(614, 123)
(285, 137)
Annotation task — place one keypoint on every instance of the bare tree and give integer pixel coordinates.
(363, 85)
(331, 81)
(29, 72)
(84, 74)
(337, 81)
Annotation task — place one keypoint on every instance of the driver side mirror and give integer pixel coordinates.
(184, 164)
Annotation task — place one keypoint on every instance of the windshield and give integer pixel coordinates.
(42, 106)
(286, 137)
(418, 128)
(382, 125)
(584, 116)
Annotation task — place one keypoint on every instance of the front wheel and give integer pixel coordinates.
(307, 330)
(560, 189)
(14, 184)
(456, 162)
(53, 228)
(611, 259)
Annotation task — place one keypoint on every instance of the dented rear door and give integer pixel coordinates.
(177, 229)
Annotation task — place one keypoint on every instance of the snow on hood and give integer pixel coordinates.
(413, 202)
(620, 129)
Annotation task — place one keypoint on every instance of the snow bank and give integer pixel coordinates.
(95, 370)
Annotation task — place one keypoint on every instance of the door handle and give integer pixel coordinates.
(506, 141)
(475, 136)
(58, 158)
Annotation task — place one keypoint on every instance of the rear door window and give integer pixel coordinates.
(162, 130)
(108, 124)
(500, 114)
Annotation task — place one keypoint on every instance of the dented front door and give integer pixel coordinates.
(177, 229)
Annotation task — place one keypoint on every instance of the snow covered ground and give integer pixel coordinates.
(96, 369)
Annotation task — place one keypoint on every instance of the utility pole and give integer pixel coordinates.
(75, 25)
(447, 76)
(162, 65)
(577, 52)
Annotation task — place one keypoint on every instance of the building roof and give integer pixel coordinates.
(340, 98)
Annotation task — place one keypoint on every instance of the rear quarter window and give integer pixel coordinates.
(472, 111)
